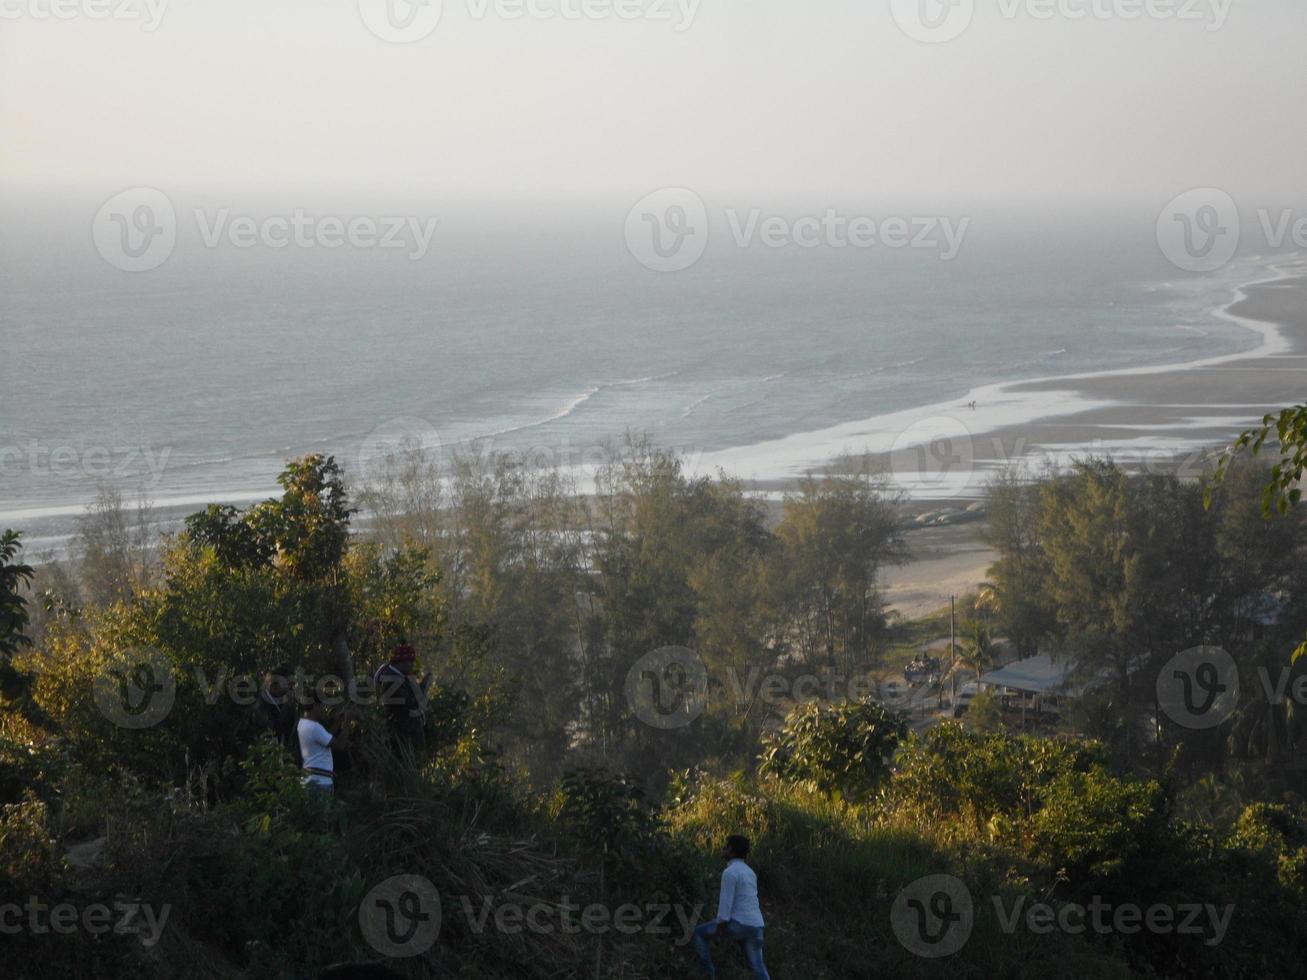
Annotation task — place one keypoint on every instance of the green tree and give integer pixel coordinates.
(15, 577)
(1019, 575)
(843, 749)
(837, 532)
(1283, 488)
(978, 651)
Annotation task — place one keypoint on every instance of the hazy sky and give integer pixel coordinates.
(779, 96)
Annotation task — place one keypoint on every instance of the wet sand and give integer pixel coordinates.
(1165, 420)
(1169, 419)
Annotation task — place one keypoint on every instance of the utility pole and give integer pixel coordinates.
(953, 648)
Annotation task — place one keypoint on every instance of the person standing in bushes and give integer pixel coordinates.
(739, 917)
(316, 741)
(273, 715)
(403, 697)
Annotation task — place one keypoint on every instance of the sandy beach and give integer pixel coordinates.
(943, 562)
(1171, 419)
(1160, 420)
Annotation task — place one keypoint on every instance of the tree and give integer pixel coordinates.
(304, 533)
(836, 534)
(978, 648)
(113, 548)
(843, 749)
(1094, 562)
(677, 562)
(1283, 488)
(14, 579)
(1012, 529)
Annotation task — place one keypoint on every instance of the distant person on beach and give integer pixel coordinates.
(317, 737)
(273, 715)
(403, 697)
(739, 917)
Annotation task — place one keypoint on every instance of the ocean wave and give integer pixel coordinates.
(573, 404)
(998, 405)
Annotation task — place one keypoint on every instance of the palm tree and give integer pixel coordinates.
(978, 649)
(989, 603)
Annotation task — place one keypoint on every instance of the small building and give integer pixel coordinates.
(1039, 684)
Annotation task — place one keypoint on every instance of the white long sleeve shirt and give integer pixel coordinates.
(739, 899)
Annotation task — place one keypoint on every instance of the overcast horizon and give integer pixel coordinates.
(840, 103)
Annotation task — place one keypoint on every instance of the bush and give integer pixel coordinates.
(949, 772)
(1094, 822)
(1277, 833)
(842, 750)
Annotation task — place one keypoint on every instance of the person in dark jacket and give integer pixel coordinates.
(273, 714)
(403, 697)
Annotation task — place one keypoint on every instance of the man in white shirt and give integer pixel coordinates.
(739, 917)
(315, 749)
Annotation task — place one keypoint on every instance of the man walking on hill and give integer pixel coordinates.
(403, 698)
(739, 917)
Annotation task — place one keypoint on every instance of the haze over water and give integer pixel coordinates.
(531, 327)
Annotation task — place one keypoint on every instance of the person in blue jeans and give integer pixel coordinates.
(739, 917)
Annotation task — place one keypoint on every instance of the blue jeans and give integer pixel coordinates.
(749, 937)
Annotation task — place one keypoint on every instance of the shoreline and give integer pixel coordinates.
(1151, 415)
(1048, 421)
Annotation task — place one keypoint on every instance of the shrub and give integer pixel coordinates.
(842, 750)
(950, 772)
(1095, 822)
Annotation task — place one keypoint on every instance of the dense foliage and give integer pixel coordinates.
(539, 788)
